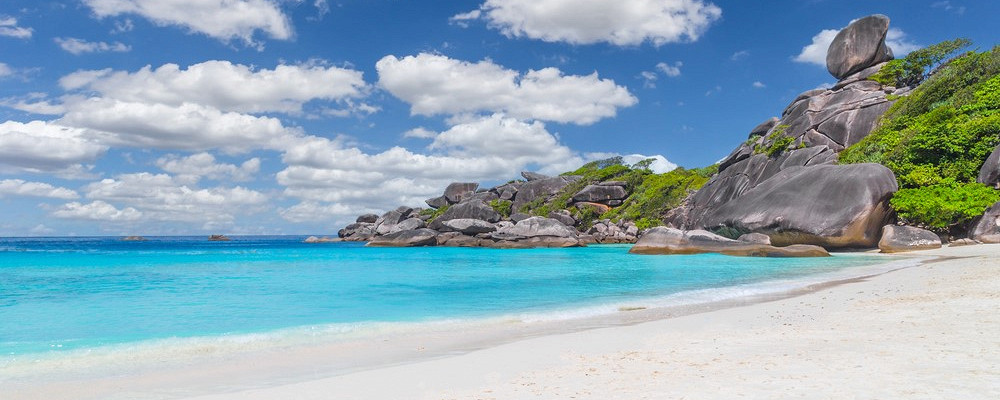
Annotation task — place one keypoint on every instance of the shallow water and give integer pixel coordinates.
(66, 295)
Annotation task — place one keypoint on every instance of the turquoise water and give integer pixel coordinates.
(62, 294)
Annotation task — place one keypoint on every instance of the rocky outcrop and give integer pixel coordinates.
(369, 218)
(456, 191)
(987, 228)
(540, 188)
(533, 176)
(834, 206)
(219, 238)
(467, 226)
(858, 46)
(601, 193)
(663, 240)
(133, 239)
(989, 173)
(898, 239)
(358, 231)
(535, 227)
(324, 239)
(758, 238)
(410, 238)
(472, 209)
(606, 231)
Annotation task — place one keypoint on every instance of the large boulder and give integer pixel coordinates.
(358, 231)
(897, 239)
(540, 188)
(369, 218)
(987, 228)
(989, 173)
(408, 224)
(411, 238)
(563, 216)
(456, 191)
(466, 226)
(533, 176)
(600, 193)
(437, 202)
(474, 209)
(834, 206)
(858, 46)
(663, 240)
(534, 227)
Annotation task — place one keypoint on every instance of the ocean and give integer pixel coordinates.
(77, 296)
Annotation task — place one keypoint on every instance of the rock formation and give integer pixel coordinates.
(989, 173)
(218, 238)
(897, 239)
(987, 228)
(784, 181)
(663, 240)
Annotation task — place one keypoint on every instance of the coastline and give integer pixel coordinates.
(921, 332)
(436, 366)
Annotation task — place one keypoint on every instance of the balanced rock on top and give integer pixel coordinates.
(859, 46)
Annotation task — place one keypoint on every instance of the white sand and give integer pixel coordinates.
(926, 332)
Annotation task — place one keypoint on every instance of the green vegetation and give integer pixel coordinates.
(433, 213)
(944, 205)
(657, 194)
(775, 143)
(936, 139)
(916, 66)
(652, 195)
(502, 207)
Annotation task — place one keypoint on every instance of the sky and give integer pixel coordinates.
(190, 117)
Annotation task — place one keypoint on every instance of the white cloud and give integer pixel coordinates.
(18, 187)
(517, 142)
(435, 84)
(160, 197)
(5, 70)
(96, 211)
(185, 127)
(815, 52)
(648, 79)
(672, 71)
(224, 85)
(123, 26)
(224, 20)
(195, 166)
(9, 28)
(39, 146)
(622, 23)
(660, 163)
(464, 18)
(80, 46)
(740, 55)
(896, 39)
(759, 85)
(420, 133)
(311, 211)
(947, 6)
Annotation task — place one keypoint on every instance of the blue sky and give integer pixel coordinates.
(293, 116)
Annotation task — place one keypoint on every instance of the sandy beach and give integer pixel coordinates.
(926, 332)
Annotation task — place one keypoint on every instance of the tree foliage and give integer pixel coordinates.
(916, 66)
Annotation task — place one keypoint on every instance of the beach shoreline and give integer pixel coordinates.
(519, 362)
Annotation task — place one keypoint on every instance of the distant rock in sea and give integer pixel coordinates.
(133, 239)
(219, 238)
(324, 239)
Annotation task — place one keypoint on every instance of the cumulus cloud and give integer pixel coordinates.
(758, 85)
(9, 28)
(188, 126)
(815, 52)
(196, 166)
(621, 23)
(224, 85)
(896, 39)
(96, 211)
(80, 46)
(434, 84)
(312, 211)
(5, 70)
(18, 187)
(670, 70)
(224, 20)
(39, 146)
(660, 164)
(161, 197)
